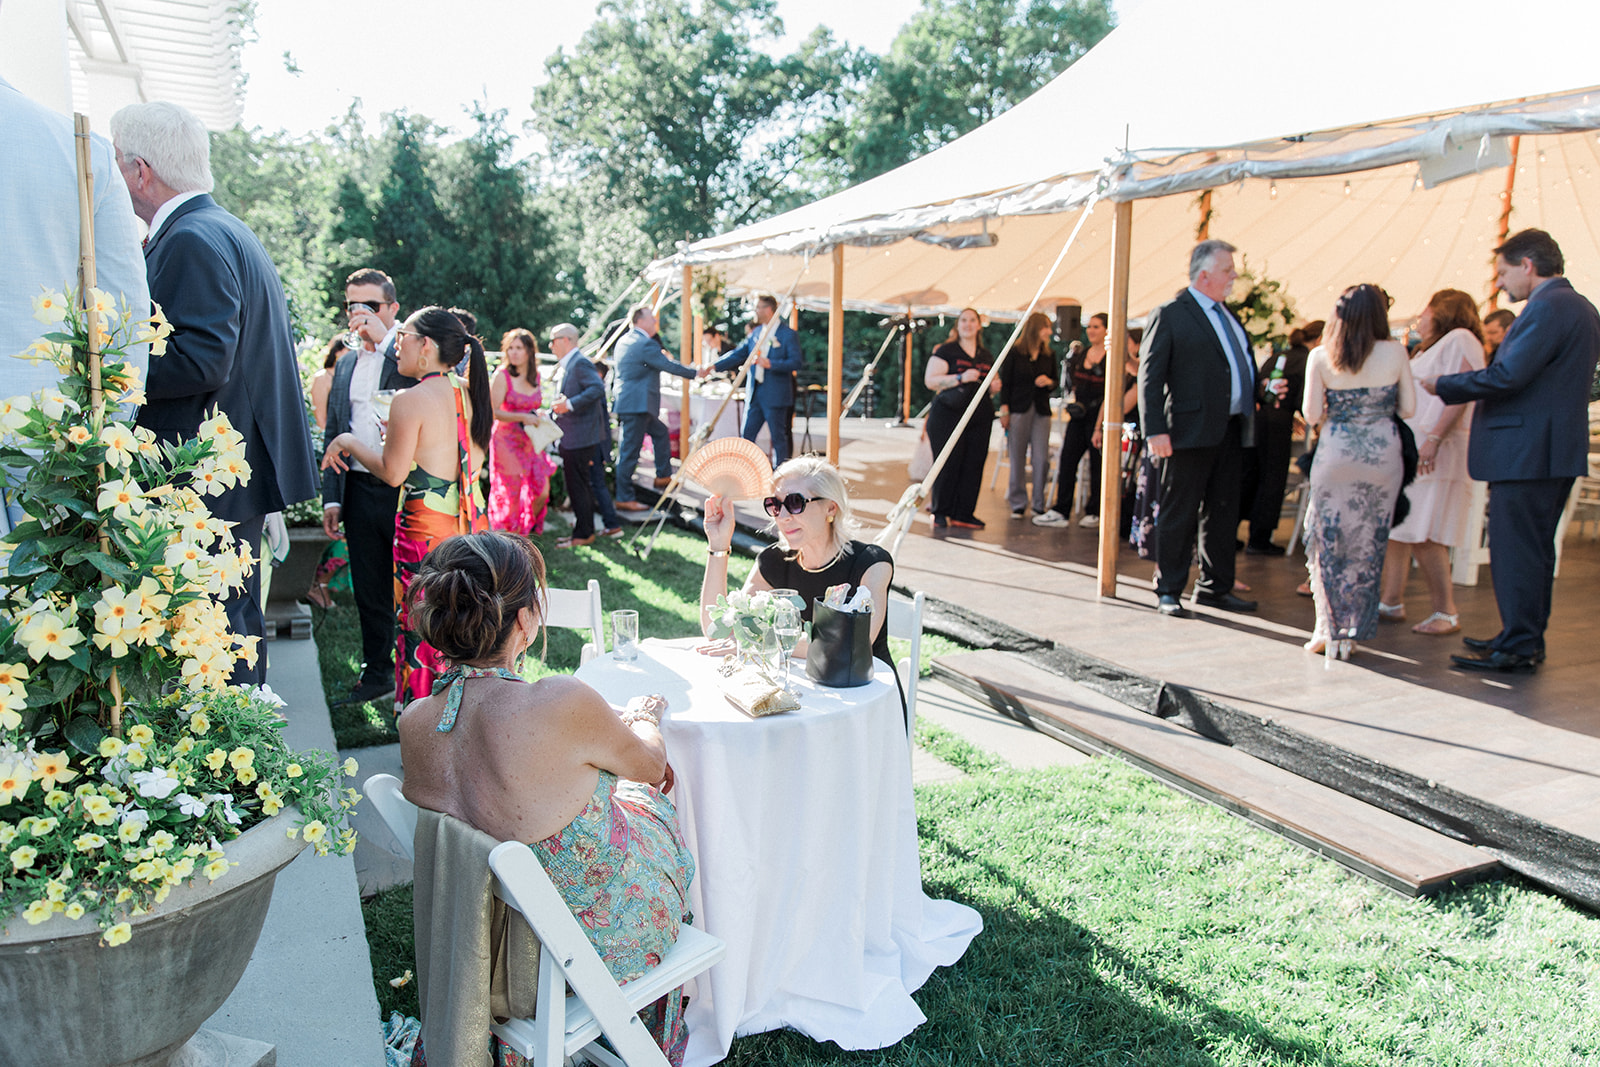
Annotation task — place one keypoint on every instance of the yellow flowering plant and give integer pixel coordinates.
(126, 759)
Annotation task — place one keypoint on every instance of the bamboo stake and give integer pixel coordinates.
(87, 281)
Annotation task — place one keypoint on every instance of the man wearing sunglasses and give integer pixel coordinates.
(770, 398)
(361, 502)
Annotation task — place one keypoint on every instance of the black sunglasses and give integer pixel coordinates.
(363, 305)
(794, 503)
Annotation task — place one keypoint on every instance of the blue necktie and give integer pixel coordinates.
(1240, 363)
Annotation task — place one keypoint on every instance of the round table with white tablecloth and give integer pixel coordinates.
(803, 829)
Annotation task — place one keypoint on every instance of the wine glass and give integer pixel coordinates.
(352, 338)
(786, 627)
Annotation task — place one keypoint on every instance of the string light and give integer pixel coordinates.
(1347, 188)
(1272, 191)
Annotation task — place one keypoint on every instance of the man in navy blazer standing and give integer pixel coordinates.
(1530, 439)
(771, 394)
(231, 347)
(640, 363)
(580, 411)
(1197, 406)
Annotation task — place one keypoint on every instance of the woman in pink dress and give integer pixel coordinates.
(519, 474)
(1452, 343)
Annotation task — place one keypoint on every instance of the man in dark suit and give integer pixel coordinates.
(1280, 388)
(1197, 409)
(359, 501)
(640, 363)
(1530, 439)
(770, 398)
(231, 347)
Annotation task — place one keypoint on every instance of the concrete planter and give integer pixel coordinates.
(292, 577)
(66, 998)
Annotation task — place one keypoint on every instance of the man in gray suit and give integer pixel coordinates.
(640, 363)
(580, 411)
(231, 347)
(1530, 439)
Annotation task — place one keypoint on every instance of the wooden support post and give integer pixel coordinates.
(905, 384)
(1111, 407)
(686, 355)
(1505, 219)
(835, 354)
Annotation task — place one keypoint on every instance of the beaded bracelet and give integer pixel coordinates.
(639, 710)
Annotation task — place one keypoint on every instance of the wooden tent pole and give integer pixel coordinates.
(685, 355)
(1111, 407)
(905, 385)
(835, 354)
(1505, 218)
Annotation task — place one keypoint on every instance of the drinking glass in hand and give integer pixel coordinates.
(353, 339)
(786, 625)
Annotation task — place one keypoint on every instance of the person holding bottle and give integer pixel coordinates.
(1280, 387)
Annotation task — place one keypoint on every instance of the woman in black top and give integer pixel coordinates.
(954, 372)
(816, 548)
(1026, 381)
(1086, 381)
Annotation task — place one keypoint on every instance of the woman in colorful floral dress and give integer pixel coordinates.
(548, 763)
(434, 445)
(519, 474)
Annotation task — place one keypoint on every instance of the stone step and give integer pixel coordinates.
(1381, 846)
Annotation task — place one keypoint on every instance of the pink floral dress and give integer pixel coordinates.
(519, 476)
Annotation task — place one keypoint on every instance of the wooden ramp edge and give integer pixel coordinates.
(1386, 848)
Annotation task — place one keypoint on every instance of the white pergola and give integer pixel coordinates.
(96, 56)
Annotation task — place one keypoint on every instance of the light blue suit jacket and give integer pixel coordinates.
(640, 363)
(776, 389)
(39, 230)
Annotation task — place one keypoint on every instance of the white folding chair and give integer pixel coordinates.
(578, 609)
(905, 623)
(566, 1025)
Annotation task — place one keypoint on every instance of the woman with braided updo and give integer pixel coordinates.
(433, 446)
(547, 763)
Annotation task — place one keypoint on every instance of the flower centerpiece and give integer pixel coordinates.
(747, 618)
(1263, 307)
(127, 761)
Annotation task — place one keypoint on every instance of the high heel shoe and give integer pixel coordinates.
(1339, 649)
(1318, 642)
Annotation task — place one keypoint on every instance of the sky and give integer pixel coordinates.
(410, 54)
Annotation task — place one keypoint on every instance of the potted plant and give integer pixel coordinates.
(145, 803)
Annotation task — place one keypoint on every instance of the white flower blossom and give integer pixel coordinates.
(157, 784)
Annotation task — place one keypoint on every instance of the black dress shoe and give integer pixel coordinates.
(1171, 606)
(1497, 660)
(369, 689)
(1486, 644)
(1225, 601)
(1268, 549)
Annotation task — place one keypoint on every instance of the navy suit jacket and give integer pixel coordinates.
(586, 423)
(776, 389)
(1532, 418)
(339, 408)
(1184, 381)
(640, 363)
(230, 348)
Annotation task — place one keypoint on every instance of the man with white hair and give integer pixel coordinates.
(580, 411)
(231, 347)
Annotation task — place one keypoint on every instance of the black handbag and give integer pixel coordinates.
(840, 653)
(1408, 467)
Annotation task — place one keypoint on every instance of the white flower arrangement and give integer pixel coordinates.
(1264, 308)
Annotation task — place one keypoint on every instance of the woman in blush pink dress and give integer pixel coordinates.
(519, 474)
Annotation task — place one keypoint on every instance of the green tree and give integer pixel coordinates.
(956, 64)
(409, 228)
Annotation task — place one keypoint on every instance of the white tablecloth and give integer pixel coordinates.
(803, 829)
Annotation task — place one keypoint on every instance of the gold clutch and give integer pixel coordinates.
(756, 695)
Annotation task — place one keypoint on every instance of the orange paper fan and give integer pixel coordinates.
(730, 467)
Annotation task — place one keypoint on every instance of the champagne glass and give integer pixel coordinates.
(786, 626)
(352, 338)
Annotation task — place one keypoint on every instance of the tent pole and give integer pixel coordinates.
(1505, 219)
(1111, 407)
(794, 316)
(835, 354)
(905, 383)
(1202, 232)
(685, 355)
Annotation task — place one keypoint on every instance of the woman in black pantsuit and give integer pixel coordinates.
(955, 371)
(1086, 384)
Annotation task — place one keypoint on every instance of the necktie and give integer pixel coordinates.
(1240, 362)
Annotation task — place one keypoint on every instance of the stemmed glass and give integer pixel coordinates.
(786, 627)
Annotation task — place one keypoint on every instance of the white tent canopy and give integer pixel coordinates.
(1310, 122)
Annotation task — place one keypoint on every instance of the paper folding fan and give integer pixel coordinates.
(730, 467)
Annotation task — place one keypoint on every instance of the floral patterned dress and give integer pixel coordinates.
(519, 475)
(1355, 480)
(431, 509)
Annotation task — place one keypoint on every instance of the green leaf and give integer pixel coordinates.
(25, 560)
(80, 658)
(114, 569)
(84, 734)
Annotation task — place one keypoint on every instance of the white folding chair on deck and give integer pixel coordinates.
(578, 609)
(905, 623)
(566, 1025)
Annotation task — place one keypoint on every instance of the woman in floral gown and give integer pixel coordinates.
(437, 435)
(1357, 382)
(548, 763)
(519, 474)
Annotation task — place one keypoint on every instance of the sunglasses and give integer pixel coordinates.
(351, 306)
(794, 503)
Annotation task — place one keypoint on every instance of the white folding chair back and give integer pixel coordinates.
(563, 1025)
(578, 609)
(905, 623)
